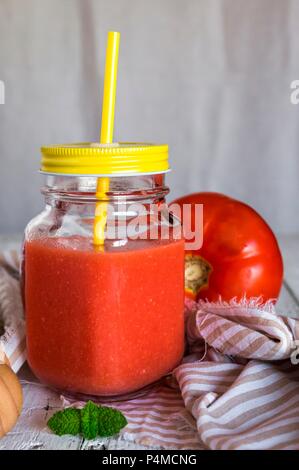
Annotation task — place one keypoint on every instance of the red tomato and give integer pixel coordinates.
(240, 255)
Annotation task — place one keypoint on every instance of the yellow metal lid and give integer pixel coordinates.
(94, 159)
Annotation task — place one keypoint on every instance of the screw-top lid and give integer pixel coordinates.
(94, 159)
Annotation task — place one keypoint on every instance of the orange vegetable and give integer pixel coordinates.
(11, 399)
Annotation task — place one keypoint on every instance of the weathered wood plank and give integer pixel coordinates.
(290, 251)
(287, 304)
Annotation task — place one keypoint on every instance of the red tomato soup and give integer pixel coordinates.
(103, 322)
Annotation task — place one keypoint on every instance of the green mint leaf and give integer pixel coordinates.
(89, 420)
(110, 421)
(65, 422)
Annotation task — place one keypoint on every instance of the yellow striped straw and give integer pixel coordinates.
(106, 137)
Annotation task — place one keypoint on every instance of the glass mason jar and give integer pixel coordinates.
(103, 320)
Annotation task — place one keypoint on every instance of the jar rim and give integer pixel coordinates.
(110, 175)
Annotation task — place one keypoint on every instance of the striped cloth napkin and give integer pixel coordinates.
(236, 388)
(12, 326)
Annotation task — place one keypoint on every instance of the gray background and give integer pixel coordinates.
(209, 77)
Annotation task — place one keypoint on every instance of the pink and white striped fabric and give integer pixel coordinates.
(237, 388)
(12, 341)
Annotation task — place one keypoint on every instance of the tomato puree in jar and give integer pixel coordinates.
(103, 322)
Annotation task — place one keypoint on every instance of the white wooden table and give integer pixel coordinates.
(31, 431)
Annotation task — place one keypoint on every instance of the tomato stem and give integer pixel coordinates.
(197, 273)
